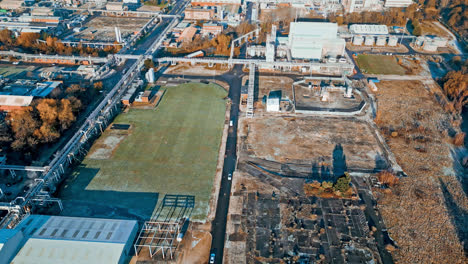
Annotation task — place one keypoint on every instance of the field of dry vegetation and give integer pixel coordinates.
(425, 213)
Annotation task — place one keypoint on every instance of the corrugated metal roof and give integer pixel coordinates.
(15, 100)
(45, 251)
(369, 29)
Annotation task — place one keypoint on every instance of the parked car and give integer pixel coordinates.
(212, 257)
(230, 176)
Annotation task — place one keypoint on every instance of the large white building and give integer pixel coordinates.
(315, 40)
(398, 3)
(42, 239)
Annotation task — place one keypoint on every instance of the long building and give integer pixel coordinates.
(42, 239)
(398, 3)
(215, 2)
(315, 40)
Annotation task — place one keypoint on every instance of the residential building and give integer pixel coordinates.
(314, 40)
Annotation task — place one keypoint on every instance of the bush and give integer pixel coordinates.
(387, 178)
(342, 184)
(459, 139)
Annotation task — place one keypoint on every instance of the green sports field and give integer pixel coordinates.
(172, 149)
(379, 64)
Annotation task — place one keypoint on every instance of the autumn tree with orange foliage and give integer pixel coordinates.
(387, 178)
(455, 86)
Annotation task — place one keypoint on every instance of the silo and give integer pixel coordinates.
(369, 41)
(381, 41)
(358, 40)
(392, 41)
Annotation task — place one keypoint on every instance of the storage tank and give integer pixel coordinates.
(429, 46)
(369, 41)
(381, 41)
(358, 40)
(440, 42)
(392, 41)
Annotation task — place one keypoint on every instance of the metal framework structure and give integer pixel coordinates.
(159, 235)
(245, 37)
(250, 92)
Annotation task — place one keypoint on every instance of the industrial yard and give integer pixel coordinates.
(168, 150)
(102, 29)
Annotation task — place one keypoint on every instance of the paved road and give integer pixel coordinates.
(218, 228)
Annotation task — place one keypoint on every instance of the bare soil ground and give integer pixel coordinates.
(105, 27)
(426, 213)
(198, 69)
(396, 49)
(306, 139)
(429, 28)
(306, 97)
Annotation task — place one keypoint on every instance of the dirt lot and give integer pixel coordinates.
(198, 69)
(307, 140)
(397, 49)
(426, 213)
(104, 28)
(429, 28)
(379, 64)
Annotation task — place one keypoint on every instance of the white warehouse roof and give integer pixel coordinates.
(368, 29)
(76, 240)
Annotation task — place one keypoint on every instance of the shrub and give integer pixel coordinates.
(459, 139)
(387, 178)
(342, 184)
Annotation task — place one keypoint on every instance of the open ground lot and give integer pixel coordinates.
(15, 71)
(172, 149)
(309, 140)
(426, 213)
(379, 64)
(103, 28)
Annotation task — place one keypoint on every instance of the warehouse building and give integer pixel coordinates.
(315, 40)
(59, 239)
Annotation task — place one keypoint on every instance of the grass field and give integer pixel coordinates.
(172, 149)
(379, 64)
(12, 70)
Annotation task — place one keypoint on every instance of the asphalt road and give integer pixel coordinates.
(218, 228)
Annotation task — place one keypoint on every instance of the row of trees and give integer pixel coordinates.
(455, 15)
(50, 45)
(45, 120)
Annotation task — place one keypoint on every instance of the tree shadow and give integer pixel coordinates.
(380, 163)
(458, 154)
(339, 161)
(458, 216)
(80, 201)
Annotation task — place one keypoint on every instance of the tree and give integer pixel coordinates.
(23, 124)
(456, 90)
(387, 178)
(65, 114)
(5, 37)
(27, 40)
(48, 111)
(342, 184)
(149, 63)
(98, 86)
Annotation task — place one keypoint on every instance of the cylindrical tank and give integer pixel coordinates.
(381, 41)
(429, 46)
(369, 41)
(440, 42)
(358, 40)
(392, 41)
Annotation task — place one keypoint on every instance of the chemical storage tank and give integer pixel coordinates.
(429, 46)
(381, 41)
(358, 40)
(392, 41)
(440, 42)
(369, 41)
